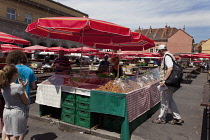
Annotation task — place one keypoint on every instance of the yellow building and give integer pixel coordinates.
(15, 15)
(206, 46)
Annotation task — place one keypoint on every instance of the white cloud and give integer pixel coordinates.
(135, 13)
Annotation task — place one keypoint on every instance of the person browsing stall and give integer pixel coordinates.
(16, 102)
(104, 65)
(47, 59)
(167, 101)
(116, 69)
(61, 63)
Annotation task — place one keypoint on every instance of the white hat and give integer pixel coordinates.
(161, 47)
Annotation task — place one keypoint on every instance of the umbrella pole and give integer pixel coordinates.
(81, 51)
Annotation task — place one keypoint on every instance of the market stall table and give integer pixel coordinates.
(132, 107)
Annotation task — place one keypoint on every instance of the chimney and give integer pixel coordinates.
(166, 29)
(184, 28)
(139, 29)
(150, 29)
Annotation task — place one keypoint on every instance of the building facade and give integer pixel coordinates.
(205, 46)
(15, 15)
(177, 40)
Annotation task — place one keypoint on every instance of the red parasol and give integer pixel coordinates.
(4, 37)
(28, 52)
(35, 47)
(10, 47)
(130, 53)
(186, 55)
(141, 43)
(201, 55)
(85, 49)
(151, 55)
(80, 29)
(56, 49)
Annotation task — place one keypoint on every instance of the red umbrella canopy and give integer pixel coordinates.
(56, 49)
(4, 37)
(141, 43)
(201, 55)
(186, 55)
(80, 29)
(151, 55)
(35, 47)
(130, 53)
(85, 49)
(28, 52)
(10, 47)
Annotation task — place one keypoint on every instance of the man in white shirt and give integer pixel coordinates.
(167, 101)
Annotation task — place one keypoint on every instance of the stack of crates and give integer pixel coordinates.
(76, 110)
(68, 107)
(84, 117)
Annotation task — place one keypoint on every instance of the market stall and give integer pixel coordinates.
(89, 101)
(76, 95)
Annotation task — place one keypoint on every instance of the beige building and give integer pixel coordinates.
(15, 15)
(177, 40)
(205, 47)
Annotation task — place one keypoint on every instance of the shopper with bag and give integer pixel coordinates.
(16, 101)
(167, 101)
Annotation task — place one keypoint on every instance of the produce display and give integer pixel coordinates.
(124, 84)
(90, 81)
(131, 84)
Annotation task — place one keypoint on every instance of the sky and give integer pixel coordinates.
(193, 14)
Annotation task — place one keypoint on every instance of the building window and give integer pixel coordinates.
(151, 50)
(11, 13)
(28, 18)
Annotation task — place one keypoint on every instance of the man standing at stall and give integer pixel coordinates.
(104, 65)
(61, 63)
(167, 101)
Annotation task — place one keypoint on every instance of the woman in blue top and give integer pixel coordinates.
(16, 101)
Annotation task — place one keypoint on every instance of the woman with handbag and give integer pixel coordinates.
(167, 101)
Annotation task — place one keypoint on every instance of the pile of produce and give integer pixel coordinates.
(126, 85)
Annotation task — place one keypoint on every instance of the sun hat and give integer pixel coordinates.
(161, 47)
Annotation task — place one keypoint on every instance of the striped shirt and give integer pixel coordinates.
(63, 62)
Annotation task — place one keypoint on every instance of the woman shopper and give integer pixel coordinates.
(16, 101)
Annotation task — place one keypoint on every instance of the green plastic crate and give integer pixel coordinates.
(83, 113)
(83, 99)
(68, 118)
(67, 109)
(85, 106)
(68, 102)
(87, 122)
(111, 122)
(67, 96)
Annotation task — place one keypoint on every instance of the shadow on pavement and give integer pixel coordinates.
(204, 130)
(45, 136)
